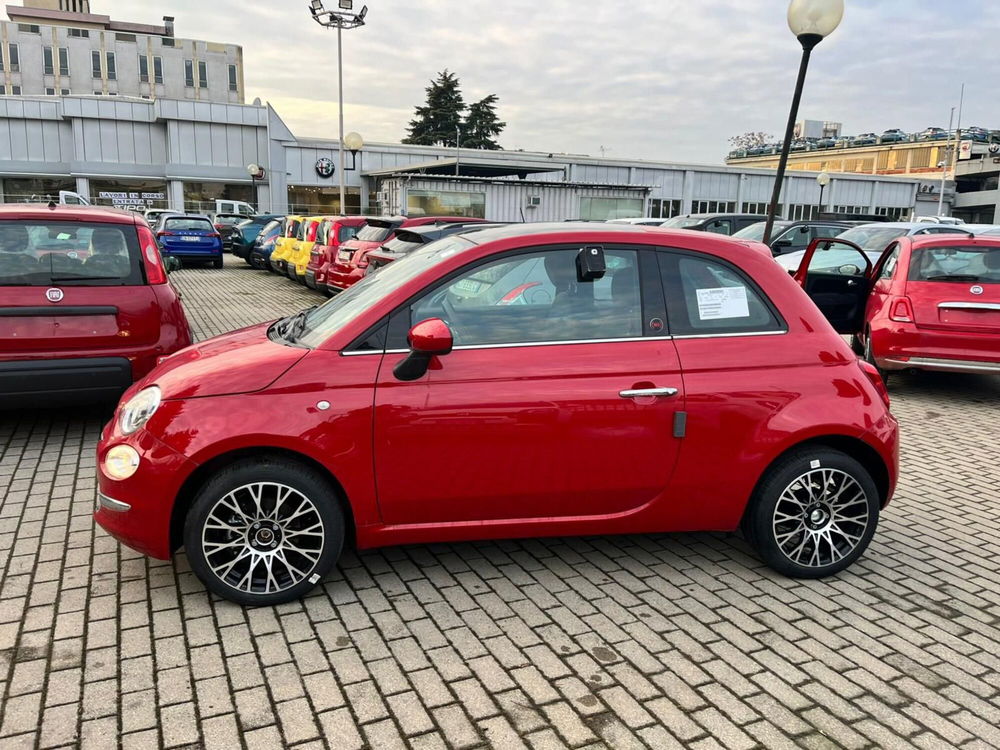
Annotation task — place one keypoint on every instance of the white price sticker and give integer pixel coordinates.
(722, 303)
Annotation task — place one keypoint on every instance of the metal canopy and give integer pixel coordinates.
(474, 167)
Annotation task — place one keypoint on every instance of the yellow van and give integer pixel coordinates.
(283, 245)
(298, 259)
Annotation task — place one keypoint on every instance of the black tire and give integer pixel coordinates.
(856, 346)
(275, 554)
(218, 263)
(869, 357)
(783, 540)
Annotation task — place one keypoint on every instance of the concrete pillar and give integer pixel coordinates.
(996, 213)
(687, 191)
(175, 195)
(83, 188)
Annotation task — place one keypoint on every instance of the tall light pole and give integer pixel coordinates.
(344, 18)
(823, 179)
(811, 21)
(944, 163)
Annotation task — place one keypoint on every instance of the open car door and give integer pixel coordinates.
(837, 276)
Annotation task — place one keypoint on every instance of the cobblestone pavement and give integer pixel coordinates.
(658, 640)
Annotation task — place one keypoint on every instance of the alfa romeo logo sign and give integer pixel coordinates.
(325, 167)
(54, 295)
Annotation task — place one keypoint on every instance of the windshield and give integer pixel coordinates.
(174, 224)
(681, 222)
(963, 263)
(328, 318)
(872, 239)
(80, 253)
(755, 232)
(373, 233)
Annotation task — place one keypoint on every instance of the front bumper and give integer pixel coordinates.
(53, 382)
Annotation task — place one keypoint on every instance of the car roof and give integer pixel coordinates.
(573, 231)
(456, 227)
(188, 216)
(706, 217)
(62, 212)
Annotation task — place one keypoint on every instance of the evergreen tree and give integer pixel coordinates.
(482, 125)
(436, 122)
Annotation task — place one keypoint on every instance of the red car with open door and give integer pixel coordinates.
(529, 380)
(929, 302)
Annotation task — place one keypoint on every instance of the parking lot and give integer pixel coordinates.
(643, 641)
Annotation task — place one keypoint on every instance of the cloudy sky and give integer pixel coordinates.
(657, 79)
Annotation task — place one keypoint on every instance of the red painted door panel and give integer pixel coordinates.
(527, 432)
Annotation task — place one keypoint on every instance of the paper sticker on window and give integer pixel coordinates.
(723, 302)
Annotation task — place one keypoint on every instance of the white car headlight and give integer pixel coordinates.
(139, 409)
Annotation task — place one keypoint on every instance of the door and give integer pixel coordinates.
(558, 400)
(836, 275)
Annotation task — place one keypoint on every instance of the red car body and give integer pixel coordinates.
(513, 440)
(337, 231)
(930, 302)
(74, 340)
(351, 261)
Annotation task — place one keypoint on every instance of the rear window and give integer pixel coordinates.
(229, 219)
(403, 244)
(188, 225)
(373, 233)
(958, 263)
(69, 253)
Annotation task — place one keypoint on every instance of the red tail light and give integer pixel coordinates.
(219, 226)
(151, 260)
(872, 372)
(215, 235)
(900, 310)
(164, 234)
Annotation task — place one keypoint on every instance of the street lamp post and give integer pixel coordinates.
(944, 165)
(344, 18)
(823, 179)
(811, 21)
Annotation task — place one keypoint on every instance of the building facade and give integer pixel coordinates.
(60, 48)
(185, 155)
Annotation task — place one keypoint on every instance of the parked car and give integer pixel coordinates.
(930, 302)
(152, 214)
(714, 223)
(264, 244)
(157, 223)
(301, 252)
(894, 135)
(191, 238)
(865, 139)
(225, 225)
(933, 134)
(639, 221)
(246, 234)
(408, 240)
(238, 450)
(792, 236)
(332, 233)
(843, 141)
(278, 262)
(352, 258)
(84, 303)
(978, 134)
(826, 143)
(800, 145)
(873, 239)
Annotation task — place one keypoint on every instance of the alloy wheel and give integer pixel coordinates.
(263, 538)
(820, 518)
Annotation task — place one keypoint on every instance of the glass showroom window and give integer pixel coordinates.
(802, 212)
(602, 209)
(129, 194)
(713, 207)
(664, 209)
(754, 208)
(446, 203)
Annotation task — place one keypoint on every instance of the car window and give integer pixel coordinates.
(707, 297)
(292, 229)
(538, 297)
(373, 233)
(825, 231)
(799, 237)
(889, 266)
(65, 253)
(872, 239)
(967, 263)
(347, 233)
(719, 226)
(174, 224)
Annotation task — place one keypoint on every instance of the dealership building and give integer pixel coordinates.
(132, 116)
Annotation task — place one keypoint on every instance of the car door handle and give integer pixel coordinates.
(661, 392)
(852, 282)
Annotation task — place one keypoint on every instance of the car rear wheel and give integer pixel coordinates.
(813, 514)
(218, 263)
(264, 532)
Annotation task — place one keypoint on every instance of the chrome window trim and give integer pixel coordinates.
(969, 305)
(741, 334)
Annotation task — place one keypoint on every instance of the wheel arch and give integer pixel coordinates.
(191, 485)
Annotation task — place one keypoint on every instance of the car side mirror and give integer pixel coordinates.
(849, 269)
(428, 339)
(779, 246)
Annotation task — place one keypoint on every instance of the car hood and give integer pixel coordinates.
(239, 362)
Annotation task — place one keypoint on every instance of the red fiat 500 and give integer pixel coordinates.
(85, 307)
(929, 302)
(640, 380)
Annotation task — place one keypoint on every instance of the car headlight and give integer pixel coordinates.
(137, 411)
(121, 462)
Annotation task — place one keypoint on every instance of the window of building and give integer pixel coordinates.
(536, 297)
(82, 33)
(664, 209)
(802, 212)
(14, 57)
(47, 61)
(124, 37)
(95, 62)
(63, 61)
(143, 69)
(233, 79)
(168, 41)
(189, 73)
(29, 28)
(850, 209)
(64, 92)
(133, 194)
(894, 213)
(15, 90)
(112, 93)
(98, 93)
(602, 209)
(50, 92)
(144, 96)
(446, 203)
(112, 72)
(203, 75)
(758, 207)
(713, 207)
(158, 70)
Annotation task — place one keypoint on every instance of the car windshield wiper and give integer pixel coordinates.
(953, 277)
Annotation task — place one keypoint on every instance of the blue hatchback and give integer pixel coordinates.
(190, 238)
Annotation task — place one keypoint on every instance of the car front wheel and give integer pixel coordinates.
(264, 532)
(814, 513)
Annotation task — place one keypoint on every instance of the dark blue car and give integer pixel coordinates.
(263, 244)
(246, 233)
(190, 238)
